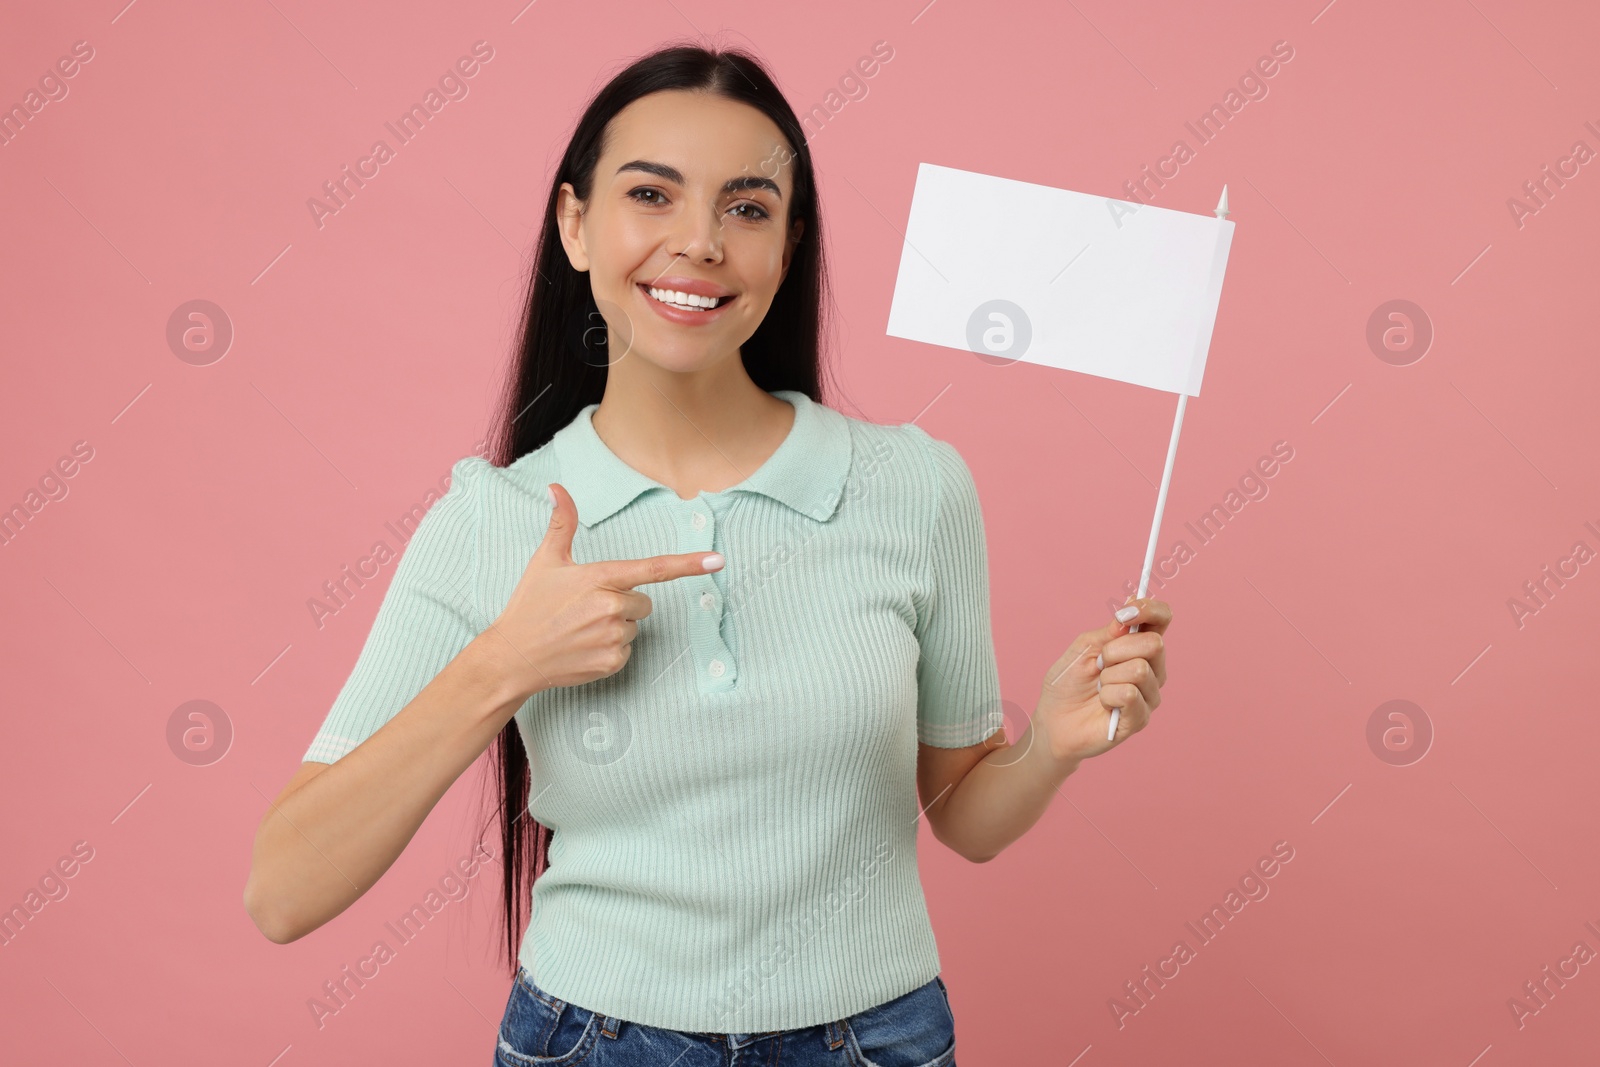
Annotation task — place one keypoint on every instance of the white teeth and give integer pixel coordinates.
(688, 301)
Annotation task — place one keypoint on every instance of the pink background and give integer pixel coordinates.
(1422, 893)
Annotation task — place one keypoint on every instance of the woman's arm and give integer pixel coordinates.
(1003, 790)
(982, 798)
(336, 828)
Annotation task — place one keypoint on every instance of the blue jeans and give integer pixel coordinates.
(916, 1029)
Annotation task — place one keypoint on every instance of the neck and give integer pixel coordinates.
(694, 432)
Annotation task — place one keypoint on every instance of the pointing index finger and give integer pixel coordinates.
(627, 573)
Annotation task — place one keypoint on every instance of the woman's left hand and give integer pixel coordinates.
(1101, 670)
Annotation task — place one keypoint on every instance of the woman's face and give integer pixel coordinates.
(690, 195)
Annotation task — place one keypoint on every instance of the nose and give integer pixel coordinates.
(699, 236)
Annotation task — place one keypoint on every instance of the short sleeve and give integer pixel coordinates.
(426, 618)
(958, 680)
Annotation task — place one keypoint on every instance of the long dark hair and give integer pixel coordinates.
(562, 358)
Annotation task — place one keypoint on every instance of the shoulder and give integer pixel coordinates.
(466, 473)
(931, 467)
(926, 473)
(451, 509)
(475, 477)
(904, 447)
(947, 486)
(478, 492)
(943, 462)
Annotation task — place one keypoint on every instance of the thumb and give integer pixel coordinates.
(1116, 627)
(1092, 641)
(1079, 663)
(557, 544)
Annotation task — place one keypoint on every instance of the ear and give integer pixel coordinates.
(569, 219)
(788, 246)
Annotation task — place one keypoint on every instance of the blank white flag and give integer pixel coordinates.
(1088, 283)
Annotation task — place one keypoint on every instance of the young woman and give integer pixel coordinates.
(730, 645)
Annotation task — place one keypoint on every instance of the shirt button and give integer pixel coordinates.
(707, 601)
(716, 668)
(699, 521)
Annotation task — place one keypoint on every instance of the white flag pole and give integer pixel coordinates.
(1161, 496)
(1155, 531)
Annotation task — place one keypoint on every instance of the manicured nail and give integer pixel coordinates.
(1124, 614)
(1097, 685)
(1100, 661)
(550, 491)
(712, 562)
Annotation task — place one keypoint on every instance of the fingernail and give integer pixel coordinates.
(550, 491)
(1124, 614)
(712, 562)
(1100, 661)
(1097, 685)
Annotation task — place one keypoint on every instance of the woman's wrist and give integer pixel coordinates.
(1063, 745)
(501, 670)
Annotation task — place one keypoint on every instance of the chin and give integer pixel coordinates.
(678, 356)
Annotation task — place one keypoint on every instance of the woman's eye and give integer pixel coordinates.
(760, 212)
(640, 194)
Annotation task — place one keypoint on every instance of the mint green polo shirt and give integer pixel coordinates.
(735, 811)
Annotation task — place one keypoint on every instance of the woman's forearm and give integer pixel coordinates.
(326, 841)
(1002, 796)
(1112, 667)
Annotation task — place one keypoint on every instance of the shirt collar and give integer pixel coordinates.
(806, 473)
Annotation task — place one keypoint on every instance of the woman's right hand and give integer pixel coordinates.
(568, 623)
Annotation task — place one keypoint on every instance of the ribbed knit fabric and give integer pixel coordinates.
(735, 811)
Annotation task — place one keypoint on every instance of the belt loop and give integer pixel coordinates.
(610, 1026)
(835, 1035)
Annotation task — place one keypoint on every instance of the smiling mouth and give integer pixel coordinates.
(684, 301)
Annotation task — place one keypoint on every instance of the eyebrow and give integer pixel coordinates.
(732, 185)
